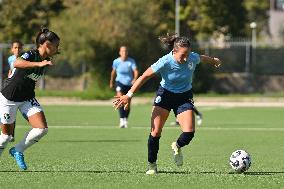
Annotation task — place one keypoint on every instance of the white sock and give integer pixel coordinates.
(31, 137)
(125, 122)
(4, 140)
(121, 121)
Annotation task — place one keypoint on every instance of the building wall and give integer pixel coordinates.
(276, 22)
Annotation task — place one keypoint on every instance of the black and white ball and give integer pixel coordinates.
(240, 161)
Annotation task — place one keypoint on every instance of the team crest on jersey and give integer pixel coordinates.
(190, 65)
(25, 56)
(158, 99)
(7, 116)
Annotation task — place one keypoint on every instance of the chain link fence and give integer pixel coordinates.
(237, 57)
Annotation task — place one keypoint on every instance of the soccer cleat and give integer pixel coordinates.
(178, 158)
(199, 119)
(19, 157)
(152, 169)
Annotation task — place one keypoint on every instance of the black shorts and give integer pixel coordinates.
(179, 102)
(119, 87)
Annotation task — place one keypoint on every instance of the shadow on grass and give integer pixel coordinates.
(264, 173)
(221, 173)
(160, 172)
(184, 172)
(62, 171)
(260, 173)
(112, 140)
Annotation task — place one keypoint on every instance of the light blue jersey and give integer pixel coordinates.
(11, 61)
(176, 77)
(124, 70)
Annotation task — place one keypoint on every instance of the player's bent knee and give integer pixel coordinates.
(155, 134)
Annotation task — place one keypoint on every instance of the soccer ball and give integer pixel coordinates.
(240, 161)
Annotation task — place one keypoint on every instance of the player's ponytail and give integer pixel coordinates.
(168, 40)
(173, 41)
(46, 35)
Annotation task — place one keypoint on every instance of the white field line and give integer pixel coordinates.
(170, 128)
(216, 102)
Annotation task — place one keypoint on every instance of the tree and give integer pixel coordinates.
(23, 20)
(257, 11)
(91, 32)
(202, 17)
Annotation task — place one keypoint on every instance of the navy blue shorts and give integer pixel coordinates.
(179, 102)
(119, 87)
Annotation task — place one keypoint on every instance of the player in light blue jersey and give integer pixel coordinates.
(16, 49)
(126, 73)
(176, 69)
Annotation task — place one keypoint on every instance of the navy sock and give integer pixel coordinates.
(153, 148)
(122, 112)
(185, 138)
(127, 113)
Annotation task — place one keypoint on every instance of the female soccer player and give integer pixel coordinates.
(18, 93)
(126, 73)
(176, 70)
(16, 49)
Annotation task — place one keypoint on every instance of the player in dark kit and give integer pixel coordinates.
(18, 93)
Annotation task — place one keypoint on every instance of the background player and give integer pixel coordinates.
(125, 70)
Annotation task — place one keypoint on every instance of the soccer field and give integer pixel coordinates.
(85, 149)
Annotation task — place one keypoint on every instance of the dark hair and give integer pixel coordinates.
(46, 35)
(173, 41)
(16, 41)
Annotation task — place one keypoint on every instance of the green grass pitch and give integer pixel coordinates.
(85, 149)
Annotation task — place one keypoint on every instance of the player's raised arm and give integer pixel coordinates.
(124, 100)
(21, 63)
(211, 60)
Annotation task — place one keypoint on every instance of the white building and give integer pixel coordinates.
(276, 21)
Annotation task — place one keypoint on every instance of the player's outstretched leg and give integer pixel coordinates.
(153, 148)
(31, 137)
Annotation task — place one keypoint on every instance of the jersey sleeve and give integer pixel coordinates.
(11, 61)
(114, 64)
(133, 65)
(28, 56)
(195, 57)
(156, 67)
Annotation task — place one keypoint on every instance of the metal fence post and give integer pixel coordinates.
(247, 58)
